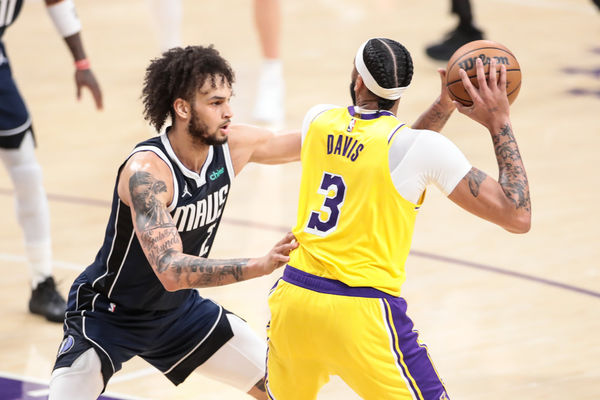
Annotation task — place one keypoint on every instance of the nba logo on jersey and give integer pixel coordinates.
(112, 307)
(351, 125)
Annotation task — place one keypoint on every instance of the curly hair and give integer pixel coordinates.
(390, 64)
(179, 73)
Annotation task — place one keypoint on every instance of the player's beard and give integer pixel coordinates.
(199, 131)
(352, 94)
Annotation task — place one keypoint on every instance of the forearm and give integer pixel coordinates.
(67, 24)
(177, 270)
(512, 176)
(76, 46)
(435, 117)
(183, 271)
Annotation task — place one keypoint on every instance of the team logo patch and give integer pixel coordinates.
(66, 345)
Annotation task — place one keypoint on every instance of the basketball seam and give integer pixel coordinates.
(477, 49)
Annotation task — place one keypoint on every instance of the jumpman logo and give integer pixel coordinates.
(186, 191)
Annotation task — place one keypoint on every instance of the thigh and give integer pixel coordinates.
(240, 362)
(190, 336)
(369, 342)
(387, 359)
(298, 360)
(80, 381)
(14, 117)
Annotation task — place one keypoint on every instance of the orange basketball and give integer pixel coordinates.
(465, 58)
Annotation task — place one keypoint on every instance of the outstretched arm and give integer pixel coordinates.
(64, 17)
(146, 186)
(255, 144)
(436, 116)
(505, 202)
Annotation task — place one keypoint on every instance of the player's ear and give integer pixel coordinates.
(358, 84)
(182, 108)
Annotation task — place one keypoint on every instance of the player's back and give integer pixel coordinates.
(353, 225)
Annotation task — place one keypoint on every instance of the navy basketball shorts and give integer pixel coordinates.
(15, 121)
(175, 342)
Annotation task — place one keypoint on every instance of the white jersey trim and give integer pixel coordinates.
(418, 158)
(112, 246)
(198, 178)
(163, 157)
(122, 262)
(199, 343)
(228, 162)
(14, 131)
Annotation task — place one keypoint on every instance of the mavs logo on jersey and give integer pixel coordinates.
(66, 345)
(204, 212)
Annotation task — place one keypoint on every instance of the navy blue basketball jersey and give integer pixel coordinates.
(121, 271)
(9, 10)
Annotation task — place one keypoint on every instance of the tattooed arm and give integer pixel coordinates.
(505, 202)
(436, 116)
(146, 186)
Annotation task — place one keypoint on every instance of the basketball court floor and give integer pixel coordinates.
(504, 316)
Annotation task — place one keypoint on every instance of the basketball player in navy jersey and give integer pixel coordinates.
(17, 145)
(138, 297)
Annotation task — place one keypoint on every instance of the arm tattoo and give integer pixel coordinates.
(202, 272)
(437, 119)
(159, 238)
(433, 119)
(150, 212)
(474, 178)
(513, 178)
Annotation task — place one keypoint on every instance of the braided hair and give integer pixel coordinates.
(179, 73)
(390, 64)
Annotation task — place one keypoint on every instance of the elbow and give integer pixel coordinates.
(170, 284)
(169, 281)
(164, 270)
(520, 224)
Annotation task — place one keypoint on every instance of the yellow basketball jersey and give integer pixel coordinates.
(353, 225)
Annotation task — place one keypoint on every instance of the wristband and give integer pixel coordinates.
(64, 17)
(82, 65)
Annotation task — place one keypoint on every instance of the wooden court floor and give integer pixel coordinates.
(504, 316)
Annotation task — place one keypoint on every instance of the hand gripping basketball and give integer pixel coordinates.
(489, 101)
(486, 51)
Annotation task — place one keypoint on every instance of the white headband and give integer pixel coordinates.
(370, 82)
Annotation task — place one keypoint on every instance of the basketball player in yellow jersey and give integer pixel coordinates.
(337, 310)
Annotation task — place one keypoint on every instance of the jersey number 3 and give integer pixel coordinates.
(324, 222)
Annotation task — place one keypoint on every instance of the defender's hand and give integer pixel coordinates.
(278, 256)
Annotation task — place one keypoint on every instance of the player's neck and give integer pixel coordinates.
(191, 152)
(373, 105)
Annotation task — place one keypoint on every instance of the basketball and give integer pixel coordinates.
(465, 58)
